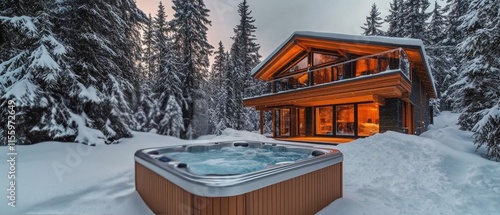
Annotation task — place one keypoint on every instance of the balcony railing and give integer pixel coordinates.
(391, 60)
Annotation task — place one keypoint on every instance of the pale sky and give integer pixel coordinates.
(276, 20)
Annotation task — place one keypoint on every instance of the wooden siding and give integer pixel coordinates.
(366, 89)
(306, 194)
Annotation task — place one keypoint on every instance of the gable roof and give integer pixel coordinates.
(301, 41)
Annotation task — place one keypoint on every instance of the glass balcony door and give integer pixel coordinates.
(283, 122)
(344, 120)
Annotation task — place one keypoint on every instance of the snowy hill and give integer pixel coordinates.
(391, 173)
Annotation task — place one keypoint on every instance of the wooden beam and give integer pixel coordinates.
(406, 97)
(379, 100)
(343, 53)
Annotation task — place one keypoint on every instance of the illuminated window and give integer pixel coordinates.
(324, 120)
(301, 121)
(368, 119)
(345, 120)
(366, 66)
(294, 82)
(322, 76)
(338, 73)
(283, 122)
(299, 66)
(324, 58)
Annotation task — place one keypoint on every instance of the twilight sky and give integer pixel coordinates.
(276, 20)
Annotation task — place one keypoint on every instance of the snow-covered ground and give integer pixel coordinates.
(391, 173)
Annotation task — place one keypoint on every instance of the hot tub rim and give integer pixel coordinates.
(225, 186)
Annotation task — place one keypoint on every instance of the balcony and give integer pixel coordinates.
(385, 74)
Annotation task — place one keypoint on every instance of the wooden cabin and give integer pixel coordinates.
(337, 85)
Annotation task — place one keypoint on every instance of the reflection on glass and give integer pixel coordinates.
(302, 121)
(294, 82)
(338, 72)
(368, 119)
(324, 120)
(366, 66)
(324, 58)
(283, 122)
(345, 120)
(323, 76)
(300, 65)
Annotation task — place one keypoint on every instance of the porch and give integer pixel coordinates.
(317, 140)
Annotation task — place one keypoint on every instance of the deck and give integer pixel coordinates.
(317, 140)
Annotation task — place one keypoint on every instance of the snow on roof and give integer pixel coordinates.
(381, 40)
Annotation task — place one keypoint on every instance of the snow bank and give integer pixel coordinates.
(390, 173)
(436, 173)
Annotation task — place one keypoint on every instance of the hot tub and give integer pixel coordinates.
(238, 177)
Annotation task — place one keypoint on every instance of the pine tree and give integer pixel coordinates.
(172, 123)
(149, 53)
(415, 17)
(218, 94)
(395, 19)
(33, 73)
(147, 111)
(373, 23)
(439, 58)
(477, 89)
(167, 87)
(244, 56)
(105, 44)
(455, 10)
(487, 132)
(437, 24)
(190, 26)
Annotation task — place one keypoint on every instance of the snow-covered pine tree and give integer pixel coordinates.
(167, 86)
(476, 90)
(190, 25)
(454, 9)
(34, 73)
(148, 55)
(373, 23)
(438, 55)
(244, 56)
(487, 132)
(395, 19)
(105, 44)
(216, 107)
(171, 124)
(147, 111)
(415, 19)
(437, 24)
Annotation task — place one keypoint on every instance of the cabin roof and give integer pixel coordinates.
(301, 41)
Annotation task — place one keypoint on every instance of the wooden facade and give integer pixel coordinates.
(306, 194)
(345, 86)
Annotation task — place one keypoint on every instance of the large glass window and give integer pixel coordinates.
(302, 64)
(345, 120)
(338, 72)
(322, 76)
(324, 120)
(366, 66)
(324, 58)
(294, 82)
(368, 119)
(283, 122)
(301, 121)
